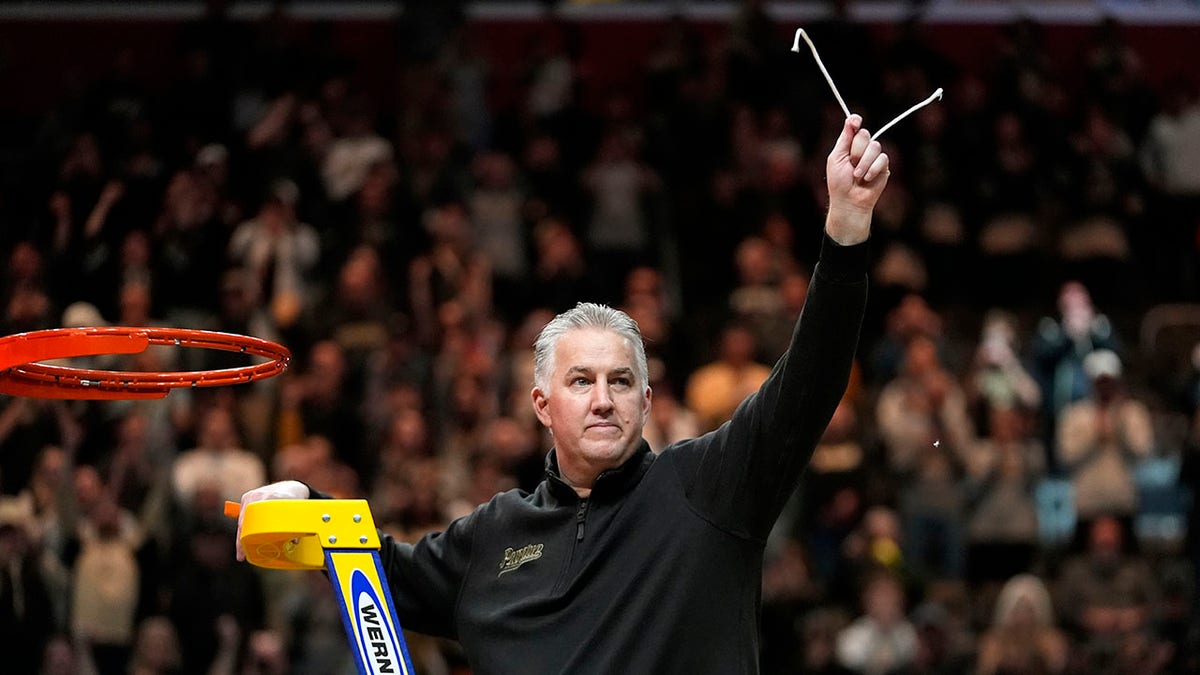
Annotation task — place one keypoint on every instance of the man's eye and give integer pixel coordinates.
(579, 382)
(623, 382)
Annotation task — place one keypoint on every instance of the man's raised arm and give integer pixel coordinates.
(741, 475)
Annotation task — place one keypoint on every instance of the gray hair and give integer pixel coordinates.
(1024, 587)
(587, 315)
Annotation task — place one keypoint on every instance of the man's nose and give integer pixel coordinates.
(601, 397)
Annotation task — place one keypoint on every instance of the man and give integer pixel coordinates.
(621, 560)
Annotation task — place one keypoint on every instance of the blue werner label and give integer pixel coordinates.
(377, 641)
(367, 614)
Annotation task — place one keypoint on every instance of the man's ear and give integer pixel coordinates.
(541, 405)
(646, 402)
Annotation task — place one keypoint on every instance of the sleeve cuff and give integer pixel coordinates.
(843, 264)
(314, 493)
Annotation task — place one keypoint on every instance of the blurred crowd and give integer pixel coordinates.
(1004, 489)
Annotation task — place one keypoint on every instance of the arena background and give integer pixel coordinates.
(446, 173)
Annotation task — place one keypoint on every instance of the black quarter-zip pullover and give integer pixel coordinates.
(658, 571)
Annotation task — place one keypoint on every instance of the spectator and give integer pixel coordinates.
(1109, 201)
(1100, 439)
(26, 616)
(757, 297)
(103, 261)
(1060, 345)
(156, 648)
(360, 312)
(452, 270)
(1189, 477)
(551, 192)
(250, 404)
(81, 178)
(648, 302)
(266, 654)
(390, 394)
(926, 432)
(911, 318)
(26, 426)
(318, 640)
(229, 640)
(27, 309)
(1002, 470)
(209, 597)
(1111, 183)
(469, 405)
(1171, 162)
(137, 474)
(313, 460)
(793, 290)
(1023, 637)
(834, 487)
(47, 498)
(134, 304)
(945, 643)
(238, 311)
(377, 218)
(24, 294)
(280, 253)
(62, 656)
(996, 378)
(550, 76)
(106, 578)
(217, 462)
(770, 293)
(513, 447)
(320, 401)
(670, 420)
(349, 158)
(620, 227)
(211, 163)
(406, 445)
(819, 632)
(751, 55)
(882, 640)
(790, 590)
(496, 206)
(1106, 595)
(875, 544)
(190, 246)
(561, 271)
(715, 390)
(1008, 194)
(25, 268)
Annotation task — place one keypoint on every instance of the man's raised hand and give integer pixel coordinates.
(856, 173)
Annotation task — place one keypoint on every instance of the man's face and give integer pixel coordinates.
(593, 403)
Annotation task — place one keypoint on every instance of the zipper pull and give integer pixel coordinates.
(580, 515)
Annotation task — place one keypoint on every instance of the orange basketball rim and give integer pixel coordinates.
(23, 374)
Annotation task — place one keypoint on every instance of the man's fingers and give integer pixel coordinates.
(852, 125)
(288, 489)
(878, 167)
(867, 161)
(860, 145)
(237, 540)
(248, 497)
